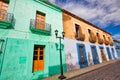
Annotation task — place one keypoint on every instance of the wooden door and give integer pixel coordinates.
(103, 56)
(95, 55)
(3, 10)
(82, 56)
(40, 21)
(38, 59)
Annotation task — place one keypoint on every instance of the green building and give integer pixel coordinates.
(28, 46)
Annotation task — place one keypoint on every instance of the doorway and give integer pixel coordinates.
(95, 55)
(82, 58)
(38, 58)
(103, 56)
(108, 51)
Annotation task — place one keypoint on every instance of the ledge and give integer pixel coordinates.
(5, 25)
(40, 31)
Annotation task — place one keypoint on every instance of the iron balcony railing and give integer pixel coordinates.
(36, 24)
(7, 17)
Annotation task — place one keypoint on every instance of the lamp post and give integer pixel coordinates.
(61, 67)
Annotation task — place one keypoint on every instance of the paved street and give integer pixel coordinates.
(109, 72)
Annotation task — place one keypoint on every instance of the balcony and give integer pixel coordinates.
(111, 43)
(80, 36)
(40, 27)
(6, 20)
(100, 41)
(92, 37)
(106, 41)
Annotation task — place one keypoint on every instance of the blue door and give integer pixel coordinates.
(113, 53)
(108, 51)
(95, 55)
(82, 58)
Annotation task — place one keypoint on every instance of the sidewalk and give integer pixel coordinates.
(78, 72)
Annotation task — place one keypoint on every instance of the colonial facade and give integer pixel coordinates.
(29, 49)
(117, 46)
(85, 43)
(28, 46)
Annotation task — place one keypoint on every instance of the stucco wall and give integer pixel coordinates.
(71, 52)
(17, 59)
(69, 27)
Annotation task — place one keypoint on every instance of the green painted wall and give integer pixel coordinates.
(17, 56)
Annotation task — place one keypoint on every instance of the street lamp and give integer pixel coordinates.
(61, 67)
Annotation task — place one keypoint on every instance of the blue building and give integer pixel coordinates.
(117, 46)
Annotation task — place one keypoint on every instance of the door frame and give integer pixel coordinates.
(109, 53)
(38, 56)
(85, 55)
(98, 61)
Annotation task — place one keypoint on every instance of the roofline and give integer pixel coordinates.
(49, 4)
(116, 40)
(83, 20)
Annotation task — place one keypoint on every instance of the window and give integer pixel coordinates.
(38, 58)
(97, 34)
(77, 30)
(104, 36)
(89, 31)
(40, 20)
(3, 10)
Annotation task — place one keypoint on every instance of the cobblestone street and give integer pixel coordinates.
(109, 72)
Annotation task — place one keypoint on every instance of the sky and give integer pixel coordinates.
(102, 13)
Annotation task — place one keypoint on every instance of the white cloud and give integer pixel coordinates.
(100, 12)
(52, 1)
(117, 36)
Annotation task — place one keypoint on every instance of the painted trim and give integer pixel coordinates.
(97, 55)
(85, 55)
(113, 53)
(108, 52)
(5, 25)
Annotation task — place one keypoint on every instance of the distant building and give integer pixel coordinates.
(117, 46)
(85, 43)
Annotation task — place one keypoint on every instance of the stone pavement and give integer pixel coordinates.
(109, 72)
(77, 72)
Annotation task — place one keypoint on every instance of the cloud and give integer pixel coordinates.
(117, 36)
(52, 1)
(99, 12)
